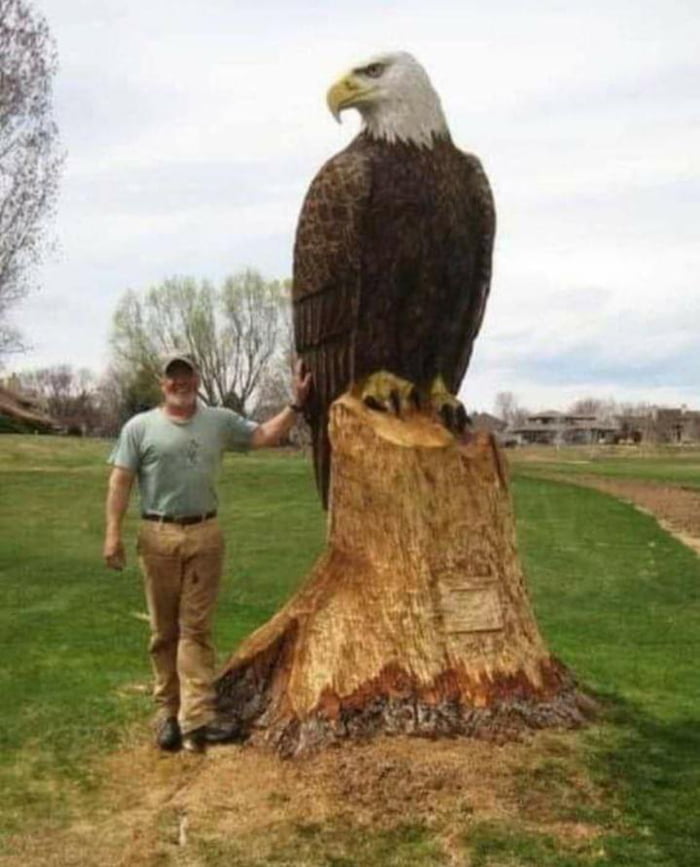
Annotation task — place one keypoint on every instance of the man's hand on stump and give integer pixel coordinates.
(301, 384)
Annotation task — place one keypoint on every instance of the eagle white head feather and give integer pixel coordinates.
(394, 95)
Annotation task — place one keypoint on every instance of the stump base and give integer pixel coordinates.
(415, 619)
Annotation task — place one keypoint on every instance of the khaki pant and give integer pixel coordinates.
(182, 571)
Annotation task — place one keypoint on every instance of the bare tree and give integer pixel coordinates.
(638, 422)
(234, 332)
(593, 406)
(505, 405)
(29, 158)
(639, 409)
(258, 316)
(67, 395)
(274, 388)
(121, 392)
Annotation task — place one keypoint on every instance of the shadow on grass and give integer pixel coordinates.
(648, 774)
(651, 766)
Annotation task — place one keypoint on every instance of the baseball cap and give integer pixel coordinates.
(182, 357)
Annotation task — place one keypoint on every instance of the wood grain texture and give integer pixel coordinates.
(416, 617)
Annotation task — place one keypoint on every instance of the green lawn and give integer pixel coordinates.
(619, 600)
(616, 598)
(678, 465)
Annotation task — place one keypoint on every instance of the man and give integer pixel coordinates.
(174, 451)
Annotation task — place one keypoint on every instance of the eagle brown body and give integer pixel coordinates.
(392, 267)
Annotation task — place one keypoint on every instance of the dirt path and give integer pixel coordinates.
(677, 509)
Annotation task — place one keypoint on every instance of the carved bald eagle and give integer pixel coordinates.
(392, 258)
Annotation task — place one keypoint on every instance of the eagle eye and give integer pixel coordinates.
(374, 70)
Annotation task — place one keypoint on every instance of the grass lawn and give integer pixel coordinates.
(617, 599)
(678, 465)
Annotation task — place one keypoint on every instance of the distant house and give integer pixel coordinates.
(635, 428)
(676, 425)
(21, 413)
(557, 428)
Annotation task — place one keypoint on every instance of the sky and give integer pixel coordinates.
(192, 130)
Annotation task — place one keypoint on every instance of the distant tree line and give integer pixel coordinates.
(508, 408)
(240, 333)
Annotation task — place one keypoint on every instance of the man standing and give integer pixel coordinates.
(174, 451)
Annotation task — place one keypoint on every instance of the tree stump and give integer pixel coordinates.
(416, 618)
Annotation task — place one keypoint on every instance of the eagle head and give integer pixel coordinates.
(394, 95)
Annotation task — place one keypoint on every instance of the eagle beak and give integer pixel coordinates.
(345, 93)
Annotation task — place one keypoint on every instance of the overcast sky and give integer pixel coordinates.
(193, 128)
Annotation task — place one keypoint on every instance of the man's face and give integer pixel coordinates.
(179, 386)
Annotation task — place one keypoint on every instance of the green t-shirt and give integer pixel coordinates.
(177, 463)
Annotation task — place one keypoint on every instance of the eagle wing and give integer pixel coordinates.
(326, 289)
(482, 216)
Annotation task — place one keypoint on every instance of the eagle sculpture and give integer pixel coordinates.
(392, 258)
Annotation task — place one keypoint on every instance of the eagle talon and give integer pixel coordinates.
(385, 392)
(462, 420)
(372, 403)
(448, 416)
(395, 401)
(448, 408)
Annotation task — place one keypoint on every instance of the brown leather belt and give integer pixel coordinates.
(183, 520)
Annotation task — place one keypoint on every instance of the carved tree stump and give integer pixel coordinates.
(415, 619)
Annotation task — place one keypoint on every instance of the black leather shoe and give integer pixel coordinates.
(169, 737)
(195, 741)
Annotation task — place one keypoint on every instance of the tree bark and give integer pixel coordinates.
(415, 619)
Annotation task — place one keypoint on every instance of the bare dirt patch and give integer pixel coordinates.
(238, 805)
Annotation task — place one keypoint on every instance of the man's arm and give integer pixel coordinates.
(120, 482)
(270, 432)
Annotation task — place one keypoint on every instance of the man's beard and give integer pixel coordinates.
(181, 401)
